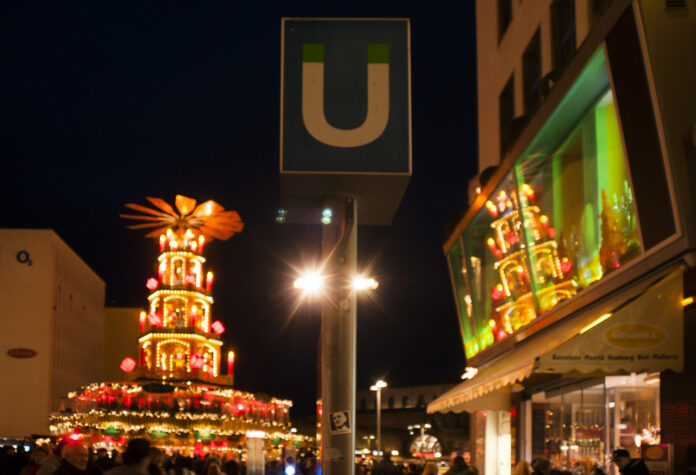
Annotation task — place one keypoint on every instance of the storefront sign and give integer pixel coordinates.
(658, 458)
(644, 335)
(21, 352)
(635, 336)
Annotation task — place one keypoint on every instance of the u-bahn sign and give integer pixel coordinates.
(346, 111)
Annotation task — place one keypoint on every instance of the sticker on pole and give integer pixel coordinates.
(340, 422)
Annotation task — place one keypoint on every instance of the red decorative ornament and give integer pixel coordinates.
(218, 327)
(497, 292)
(154, 319)
(128, 364)
(152, 283)
(190, 279)
(552, 233)
(566, 265)
(498, 253)
(196, 361)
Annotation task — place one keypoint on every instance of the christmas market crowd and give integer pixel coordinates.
(139, 457)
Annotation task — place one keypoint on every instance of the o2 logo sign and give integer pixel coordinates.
(23, 257)
(346, 96)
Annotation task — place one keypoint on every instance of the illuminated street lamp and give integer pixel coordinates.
(378, 386)
(311, 282)
(364, 283)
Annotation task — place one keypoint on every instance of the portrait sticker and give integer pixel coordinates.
(340, 422)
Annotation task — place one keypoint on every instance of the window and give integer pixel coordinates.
(561, 219)
(563, 31)
(421, 401)
(390, 402)
(363, 404)
(531, 69)
(405, 401)
(504, 17)
(598, 8)
(507, 115)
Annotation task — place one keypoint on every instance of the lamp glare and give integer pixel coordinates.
(311, 282)
(363, 283)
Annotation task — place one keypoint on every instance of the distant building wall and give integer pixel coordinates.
(401, 398)
(121, 333)
(52, 304)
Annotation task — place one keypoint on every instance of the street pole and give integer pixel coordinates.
(379, 421)
(338, 336)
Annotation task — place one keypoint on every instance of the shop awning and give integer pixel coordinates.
(643, 333)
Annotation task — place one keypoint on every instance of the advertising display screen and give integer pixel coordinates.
(562, 218)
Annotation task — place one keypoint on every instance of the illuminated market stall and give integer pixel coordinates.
(175, 394)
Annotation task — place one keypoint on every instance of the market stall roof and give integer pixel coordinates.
(634, 333)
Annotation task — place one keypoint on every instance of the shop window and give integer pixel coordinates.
(562, 219)
(495, 263)
(581, 219)
(588, 420)
(563, 32)
(531, 69)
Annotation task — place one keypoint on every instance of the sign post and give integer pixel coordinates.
(345, 137)
(338, 340)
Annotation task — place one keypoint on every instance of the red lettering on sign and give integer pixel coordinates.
(21, 352)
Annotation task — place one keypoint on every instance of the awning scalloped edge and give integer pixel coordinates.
(477, 387)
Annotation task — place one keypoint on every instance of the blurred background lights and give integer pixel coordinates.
(281, 216)
(326, 216)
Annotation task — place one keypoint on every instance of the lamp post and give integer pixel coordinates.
(378, 386)
(338, 331)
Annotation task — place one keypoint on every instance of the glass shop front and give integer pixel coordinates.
(559, 223)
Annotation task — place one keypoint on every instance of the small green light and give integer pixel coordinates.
(280, 216)
(326, 219)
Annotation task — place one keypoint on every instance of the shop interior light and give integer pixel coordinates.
(652, 378)
(595, 323)
(687, 301)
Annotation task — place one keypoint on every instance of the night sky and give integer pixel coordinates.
(106, 103)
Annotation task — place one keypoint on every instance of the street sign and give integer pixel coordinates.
(346, 111)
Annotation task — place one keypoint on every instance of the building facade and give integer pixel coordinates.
(406, 427)
(52, 315)
(573, 269)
